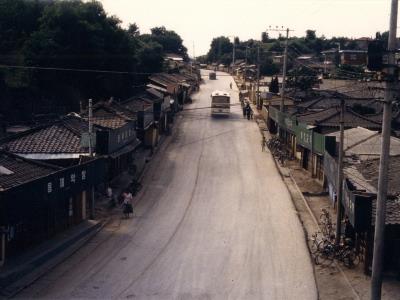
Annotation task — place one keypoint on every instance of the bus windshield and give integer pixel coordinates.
(221, 99)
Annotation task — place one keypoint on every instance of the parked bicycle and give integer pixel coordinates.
(325, 221)
(327, 251)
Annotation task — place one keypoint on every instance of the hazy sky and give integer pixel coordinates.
(200, 21)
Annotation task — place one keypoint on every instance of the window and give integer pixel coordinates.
(73, 178)
(49, 187)
(84, 175)
(62, 182)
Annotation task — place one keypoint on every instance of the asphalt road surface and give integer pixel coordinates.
(215, 221)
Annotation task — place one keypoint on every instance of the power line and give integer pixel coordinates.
(74, 70)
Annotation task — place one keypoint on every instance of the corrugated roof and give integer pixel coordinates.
(353, 136)
(365, 143)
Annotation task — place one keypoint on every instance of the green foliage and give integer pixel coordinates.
(264, 37)
(169, 40)
(73, 35)
(302, 78)
(220, 50)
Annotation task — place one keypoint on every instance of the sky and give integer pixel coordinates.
(198, 22)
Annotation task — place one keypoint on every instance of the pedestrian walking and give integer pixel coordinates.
(230, 85)
(127, 204)
(249, 111)
(263, 143)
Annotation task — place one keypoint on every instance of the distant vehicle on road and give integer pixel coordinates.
(212, 76)
(220, 103)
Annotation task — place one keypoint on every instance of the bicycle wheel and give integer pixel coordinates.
(351, 259)
(323, 219)
(323, 259)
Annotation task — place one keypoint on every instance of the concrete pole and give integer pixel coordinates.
(90, 127)
(258, 78)
(339, 183)
(233, 54)
(284, 72)
(390, 95)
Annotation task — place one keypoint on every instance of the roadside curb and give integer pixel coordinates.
(287, 176)
(12, 283)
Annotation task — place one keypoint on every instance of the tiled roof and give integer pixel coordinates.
(364, 177)
(111, 115)
(328, 102)
(136, 104)
(63, 136)
(21, 170)
(108, 119)
(370, 170)
(331, 117)
(392, 212)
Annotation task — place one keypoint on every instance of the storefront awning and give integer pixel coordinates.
(158, 88)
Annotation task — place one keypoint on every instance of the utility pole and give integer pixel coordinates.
(390, 94)
(282, 106)
(90, 127)
(92, 202)
(258, 78)
(339, 183)
(233, 54)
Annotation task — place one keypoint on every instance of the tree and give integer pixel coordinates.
(150, 57)
(133, 30)
(169, 40)
(62, 37)
(311, 35)
(274, 85)
(264, 37)
(302, 77)
(77, 35)
(220, 46)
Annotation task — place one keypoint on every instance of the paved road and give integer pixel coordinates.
(215, 222)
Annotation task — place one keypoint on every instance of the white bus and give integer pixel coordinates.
(220, 103)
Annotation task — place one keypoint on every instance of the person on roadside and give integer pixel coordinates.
(230, 85)
(244, 111)
(263, 143)
(248, 111)
(127, 204)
